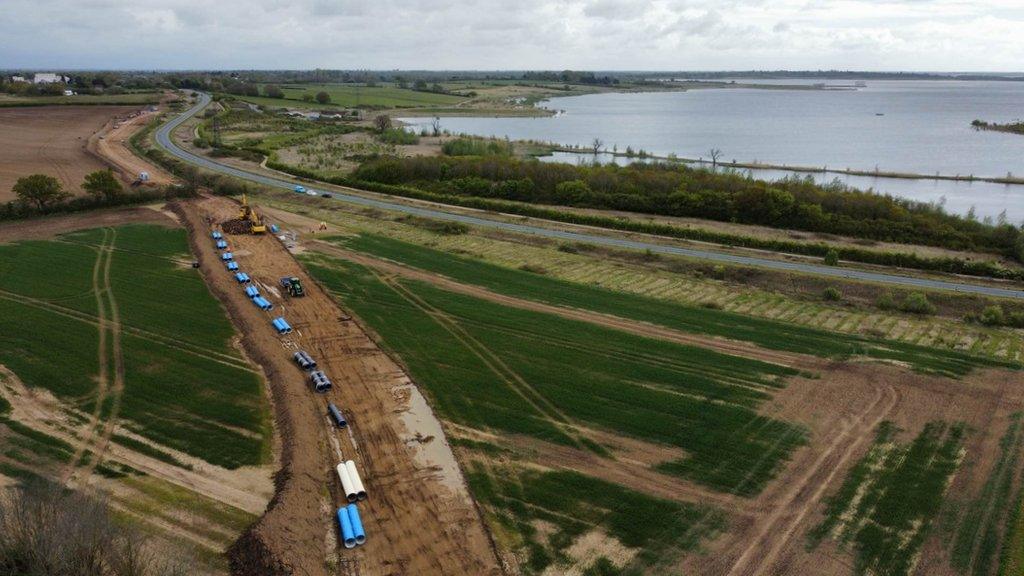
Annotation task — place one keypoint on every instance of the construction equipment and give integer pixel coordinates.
(248, 214)
(248, 222)
(293, 286)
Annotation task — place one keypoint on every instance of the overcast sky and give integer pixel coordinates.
(928, 35)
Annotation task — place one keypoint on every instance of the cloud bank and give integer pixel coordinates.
(919, 35)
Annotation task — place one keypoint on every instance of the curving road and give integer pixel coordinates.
(163, 137)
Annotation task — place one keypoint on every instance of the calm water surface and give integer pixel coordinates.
(901, 126)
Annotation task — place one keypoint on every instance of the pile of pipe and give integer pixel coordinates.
(304, 360)
(351, 525)
(320, 381)
(350, 481)
(281, 325)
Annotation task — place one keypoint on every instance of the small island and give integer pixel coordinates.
(1016, 127)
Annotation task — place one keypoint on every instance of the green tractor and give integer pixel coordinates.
(292, 286)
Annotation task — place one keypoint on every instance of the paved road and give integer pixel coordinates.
(164, 140)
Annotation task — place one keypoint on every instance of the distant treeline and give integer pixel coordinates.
(670, 190)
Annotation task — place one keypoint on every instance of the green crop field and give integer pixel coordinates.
(887, 503)
(185, 386)
(498, 368)
(984, 540)
(768, 333)
(349, 95)
(574, 504)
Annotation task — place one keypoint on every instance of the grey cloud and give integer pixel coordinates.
(550, 34)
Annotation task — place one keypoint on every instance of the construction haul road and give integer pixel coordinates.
(419, 518)
(164, 140)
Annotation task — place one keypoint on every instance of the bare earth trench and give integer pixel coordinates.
(418, 519)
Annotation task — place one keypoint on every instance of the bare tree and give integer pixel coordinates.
(435, 126)
(46, 530)
(715, 154)
(597, 145)
(382, 122)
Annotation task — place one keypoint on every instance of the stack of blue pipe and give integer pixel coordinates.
(351, 524)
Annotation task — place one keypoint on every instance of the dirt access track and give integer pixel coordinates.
(51, 140)
(110, 144)
(419, 518)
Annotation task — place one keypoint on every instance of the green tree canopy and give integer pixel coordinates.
(323, 97)
(39, 189)
(102, 183)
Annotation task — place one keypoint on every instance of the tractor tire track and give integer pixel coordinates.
(755, 559)
(191, 349)
(103, 374)
(520, 386)
(116, 389)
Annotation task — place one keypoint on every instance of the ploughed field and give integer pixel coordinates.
(606, 433)
(119, 373)
(50, 140)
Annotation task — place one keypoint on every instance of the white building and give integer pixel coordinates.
(18, 79)
(49, 78)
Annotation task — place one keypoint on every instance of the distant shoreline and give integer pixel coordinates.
(1014, 180)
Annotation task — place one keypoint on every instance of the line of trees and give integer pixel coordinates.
(40, 194)
(672, 190)
(853, 254)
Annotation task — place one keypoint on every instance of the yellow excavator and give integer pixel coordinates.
(249, 215)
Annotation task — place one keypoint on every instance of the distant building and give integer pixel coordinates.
(49, 78)
(69, 92)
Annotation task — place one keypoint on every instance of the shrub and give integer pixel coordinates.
(323, 97)
(832, 257)
(993, 316)
(832, 294)
(917, 303)
(568, 248)
(887, 301)
(1015, 319)
(476, 147)
(398, 136)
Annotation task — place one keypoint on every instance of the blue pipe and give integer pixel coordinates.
(357, 523)
(348, 537)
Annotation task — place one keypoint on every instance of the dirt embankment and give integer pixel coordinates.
(415, 522)
(51, 140)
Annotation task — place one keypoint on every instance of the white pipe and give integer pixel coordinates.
(346, 483)
(357, 482)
